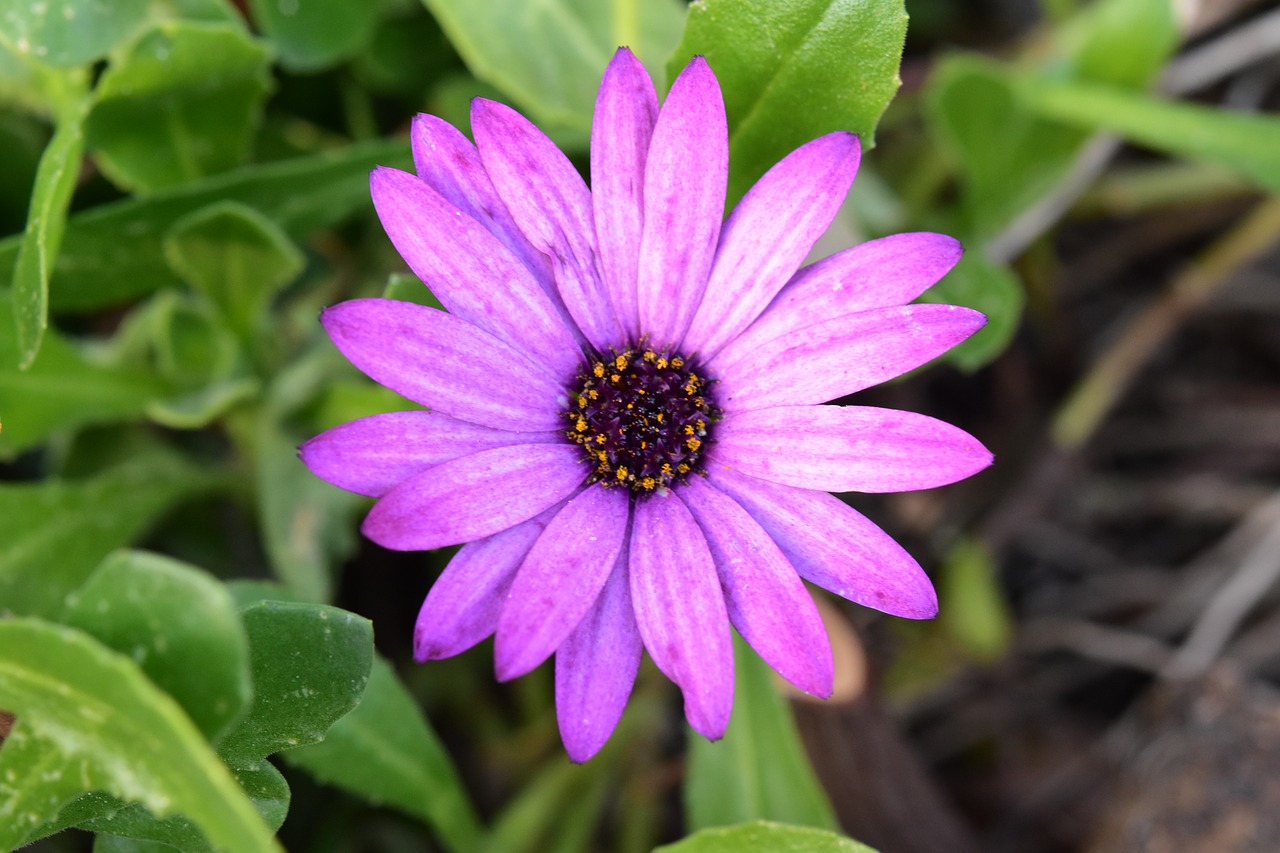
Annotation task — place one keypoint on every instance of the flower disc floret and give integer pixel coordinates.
(642, 418)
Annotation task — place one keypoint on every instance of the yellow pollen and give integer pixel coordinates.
(615, 378)
(622, 472)
(660, 416)
(666, 468)
(582, 402)
(620, 362)
(648, 482)
(693, 443)
(597, 369)
(581, 425)
(650, 355)
(677, 362)
(601, 438)
(593, 394)
(682, 468)
(662, 363)
(688, 429)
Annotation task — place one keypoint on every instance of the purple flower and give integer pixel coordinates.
(623, 419)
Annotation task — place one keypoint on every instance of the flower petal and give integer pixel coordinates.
(847, 448)
(560, 579)
(470, 271)
(839, 356)
(680, 609)
(372, 455)
(621, 128)
(551, 204)
(445, 363)
(475, 496)
(451, 166)
(463, 605)
(769, 235)
(832, 545)
(766, 600)
(596, 667)
(878, 274)
(685, 177)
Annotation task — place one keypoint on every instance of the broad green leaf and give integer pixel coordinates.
(385, 752)
(181, 104)
(235, 256)
(1244, 142)
(549, 56)
(178, 624)
(759, 770)
(113, 253)
(56, 532)
(46, 223)
(763, 835)
(995, 290)
(66, 387)
(313, 34)
(794, 71)
(310, 664)
(1007, 157)
(112, 730)
(201, 407)
(68, 32)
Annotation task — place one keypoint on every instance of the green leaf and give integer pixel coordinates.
(385, 752)
(46, 223)
(104, 725)
(763, 835)
(1125, 42)
(1244, 142)
(71, 32)
(235, 256)
(1007, 157)
(181, 104)
(66, 387)
(113, 253)
(550, 56)
(973, 608)
(264, 785)
(995, 290)
(178, 624)
(759, 770)
(313, 34)
(794, 71)
(56, 532)
(310, 664)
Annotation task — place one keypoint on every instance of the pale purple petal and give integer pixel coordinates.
(680, 609)
(769, 235)
(372, 455)
(475, 496)
(445, 363)
(626, 109)
(470, 271)
(551, 204)
(463, 605)
(560, 579)
(838, 357)
(596, 667)
(847, 448)
(881, 273)
(685, 178)
(450, 164)
(766, 601)
(834, 546)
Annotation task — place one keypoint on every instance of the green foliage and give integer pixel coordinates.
(557, 81)
(69, 33)
(385, 752)
(768, 57)
(88, 719)
(763, 835)
(180, 105)
(313, 34)
(759, 770)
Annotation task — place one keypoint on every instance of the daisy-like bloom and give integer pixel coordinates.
(623, 424)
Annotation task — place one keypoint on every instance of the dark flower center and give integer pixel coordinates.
(642, 418)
